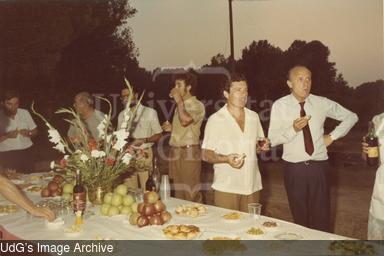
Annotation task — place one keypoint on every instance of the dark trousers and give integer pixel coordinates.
(21, 160)
(307, 187)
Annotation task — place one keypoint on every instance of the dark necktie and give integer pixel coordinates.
(308, 143)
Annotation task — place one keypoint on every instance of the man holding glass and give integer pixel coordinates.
(185, 153)
(230, 144)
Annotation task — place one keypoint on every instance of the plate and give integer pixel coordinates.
(266, 227)
(288, 236)
(58, 222)
(232, 217)
(255, 233)
(182, 232)
(191, 210)
(213, 235)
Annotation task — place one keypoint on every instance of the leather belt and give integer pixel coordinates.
(186, 146)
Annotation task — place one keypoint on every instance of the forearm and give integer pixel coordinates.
(153, 139)
(3, 137)
(281, 136)
(13, 194)
(212, 157)
(344, 127)
(185, 118)
(33, 133)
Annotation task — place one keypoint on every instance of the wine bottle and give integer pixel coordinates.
(152, 183)
(373, 146)
(79, 195)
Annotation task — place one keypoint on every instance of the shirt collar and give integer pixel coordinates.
(294, 101)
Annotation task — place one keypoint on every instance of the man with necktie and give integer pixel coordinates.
(297, 122)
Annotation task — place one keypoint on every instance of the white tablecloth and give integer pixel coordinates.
(96, 226)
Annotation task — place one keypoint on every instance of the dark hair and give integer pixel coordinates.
(189, 78)
(9, 94)
(234, 77)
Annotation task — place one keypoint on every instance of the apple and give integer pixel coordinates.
(134, 218)
(68, 188)
(151, 197)
(57, 192)
(53, 186)
(126, 210)
(156, 220)
(159, 207)
(142, 221)
(121, 189)
(104, 209)
(117, 200)
(113, 210)
(58, 179)
(134, 206)
(166, 216)
(148, 210)
(45, 192)
(128, 200)
(108, 198)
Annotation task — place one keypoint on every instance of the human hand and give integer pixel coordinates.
(235, 160)
(175, 94)
(300, 123)
(137, 142)
(167, 126)
(12, 134)
(263, 144)
(327, 140)
(25, 132)
(43, 212)
(364, 149)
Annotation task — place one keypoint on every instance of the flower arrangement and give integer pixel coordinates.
(100, 160)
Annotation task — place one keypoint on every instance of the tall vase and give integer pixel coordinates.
(96, 193)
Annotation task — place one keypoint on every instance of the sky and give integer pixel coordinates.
(175, 33)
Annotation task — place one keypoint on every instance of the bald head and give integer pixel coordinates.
(297, 69)
(83, 103)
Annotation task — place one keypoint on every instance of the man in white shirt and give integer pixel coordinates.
(145, 131)
(297, 122)
(91, 117)
(16, 130)
(230, 143)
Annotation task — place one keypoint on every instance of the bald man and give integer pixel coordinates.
(297, 122)
(91, 117)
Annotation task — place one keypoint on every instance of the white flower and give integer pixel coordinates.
(52, 165)
(108, 138)
(84, 158)
(126, 117)
(66, 157)
(59, 147)
(101, 126)
(96, 153)
(126, 158)
(121, 136)
(78, 151)
(54, 136)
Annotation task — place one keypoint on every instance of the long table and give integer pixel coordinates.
(22, 225)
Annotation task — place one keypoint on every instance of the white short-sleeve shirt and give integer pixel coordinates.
(22, 120)
(224, 136)
(144, 125)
